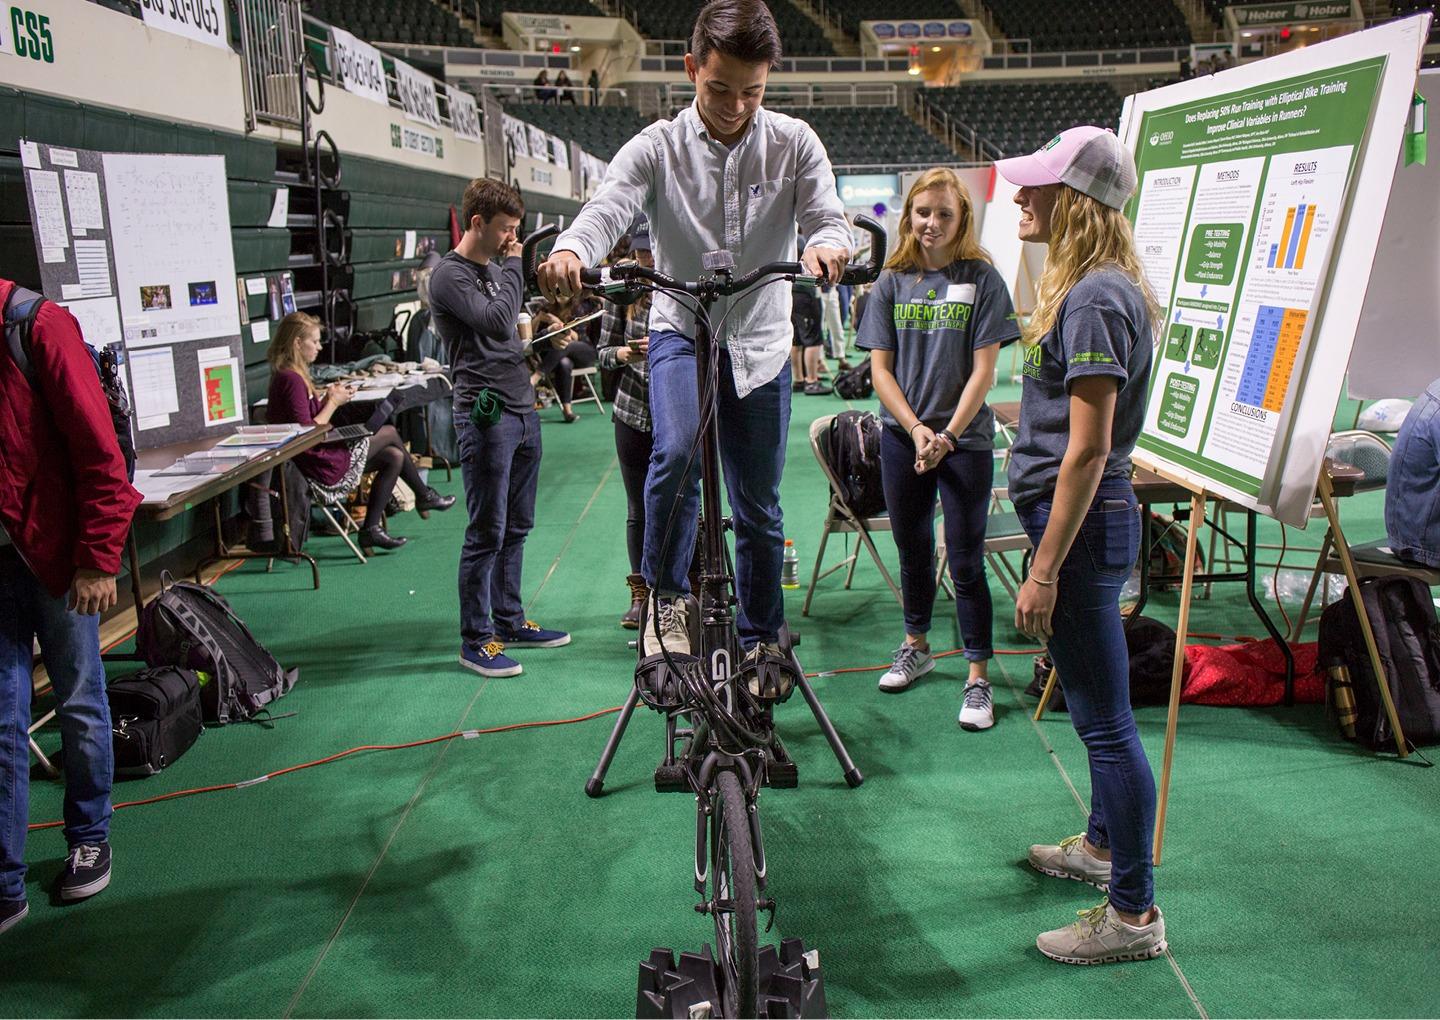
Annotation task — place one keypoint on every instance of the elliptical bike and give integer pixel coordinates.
(720, 739)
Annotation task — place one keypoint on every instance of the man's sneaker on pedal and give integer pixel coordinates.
(977, 710)
(909, 662)
(770, 671)
(1100, 936)
(531, 635)
(1070, 859)
(672, 613)
(489, 660)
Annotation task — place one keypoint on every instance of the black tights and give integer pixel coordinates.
(389, 460)
(633, 448)
(561, 363)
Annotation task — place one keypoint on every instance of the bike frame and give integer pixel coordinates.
(719, 646)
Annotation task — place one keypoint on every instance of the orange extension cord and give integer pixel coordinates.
(471, 734)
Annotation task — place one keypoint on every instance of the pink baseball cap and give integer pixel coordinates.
(1089, 159)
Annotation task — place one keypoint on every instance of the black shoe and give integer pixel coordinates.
(373, 536)
(432, 500)
(571, 416)
(12, 912)
(816, 389)
(86, 872)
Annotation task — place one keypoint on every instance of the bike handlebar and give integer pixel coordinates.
(626, 273)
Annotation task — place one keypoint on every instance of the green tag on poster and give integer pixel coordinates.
(1415, 133)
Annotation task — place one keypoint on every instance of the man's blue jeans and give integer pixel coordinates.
(70, 645)
(1089, 652)
(501, 466)
(753, 433)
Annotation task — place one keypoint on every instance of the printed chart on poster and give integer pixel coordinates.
(1246, 196)
(176, 270)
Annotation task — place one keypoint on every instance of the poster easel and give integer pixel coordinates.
(1198, 501)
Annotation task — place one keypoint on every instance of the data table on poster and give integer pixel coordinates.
(1274, 345)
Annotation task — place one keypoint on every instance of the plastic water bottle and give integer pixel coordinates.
(790, 567)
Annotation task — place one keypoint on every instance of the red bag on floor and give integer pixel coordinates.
(1250, 674)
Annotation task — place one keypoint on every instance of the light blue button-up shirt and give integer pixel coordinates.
(702, 195)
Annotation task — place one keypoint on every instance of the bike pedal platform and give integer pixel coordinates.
(781, 775)
(790, 981)
(671, 779)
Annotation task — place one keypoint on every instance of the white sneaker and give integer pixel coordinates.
(1070, 859)
(1101, 937)
(977, 712)
(674, 618)
(909, 663)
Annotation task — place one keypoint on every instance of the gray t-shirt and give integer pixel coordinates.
(1103, 329)
(474, 308)
(935, 323)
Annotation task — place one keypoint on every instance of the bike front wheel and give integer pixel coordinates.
(732, 878)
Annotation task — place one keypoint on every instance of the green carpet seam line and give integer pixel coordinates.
(1055, 760)
(570, 538)
(380, 858)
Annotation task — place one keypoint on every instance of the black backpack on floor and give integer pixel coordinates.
(154, 717)
(1407, 636)
(855, 383)
(193, 627)
(854, 446)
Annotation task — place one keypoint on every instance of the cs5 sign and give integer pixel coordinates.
(27, 34)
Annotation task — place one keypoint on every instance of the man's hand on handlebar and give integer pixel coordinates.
(827, 263)
(559, 276)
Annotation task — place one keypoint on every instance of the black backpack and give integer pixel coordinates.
(193, 627)
(154, 717)
(854, 447)
(20, 312)
(1407, 636)
(854, 383)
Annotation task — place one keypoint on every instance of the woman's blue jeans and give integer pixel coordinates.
(963, 481)
(1088, 650)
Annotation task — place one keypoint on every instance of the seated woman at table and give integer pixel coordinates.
(567, 352)
(336, 469)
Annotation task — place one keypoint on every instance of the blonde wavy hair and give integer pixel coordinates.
(1085, 235)
(907, 257)
(283, 351)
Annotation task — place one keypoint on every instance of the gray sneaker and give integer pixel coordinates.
(977, 708)
(674, 618)
(909, 663)
(1101, 937)
(1070, 860)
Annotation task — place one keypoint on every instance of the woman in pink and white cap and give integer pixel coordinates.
(1087, 370)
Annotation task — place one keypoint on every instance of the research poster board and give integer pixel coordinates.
(1397, 350)
(1262, 190)
(138, 248)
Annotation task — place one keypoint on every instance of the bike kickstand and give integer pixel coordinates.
(595, 785)
(852, 774)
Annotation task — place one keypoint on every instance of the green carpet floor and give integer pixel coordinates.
(473, 877)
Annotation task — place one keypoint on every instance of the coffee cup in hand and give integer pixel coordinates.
(523, 327)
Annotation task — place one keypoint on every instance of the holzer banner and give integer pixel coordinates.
(359, 65)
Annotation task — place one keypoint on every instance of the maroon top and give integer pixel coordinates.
(291, 401)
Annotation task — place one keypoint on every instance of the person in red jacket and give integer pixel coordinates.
(65, 509)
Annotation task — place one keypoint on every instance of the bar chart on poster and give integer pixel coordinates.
(1249, 193)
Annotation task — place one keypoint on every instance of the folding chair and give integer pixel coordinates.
(329, 502)
(839, 517)
(592, 391)
(1003, 534)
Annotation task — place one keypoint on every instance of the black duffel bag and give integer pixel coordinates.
(155, 716)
